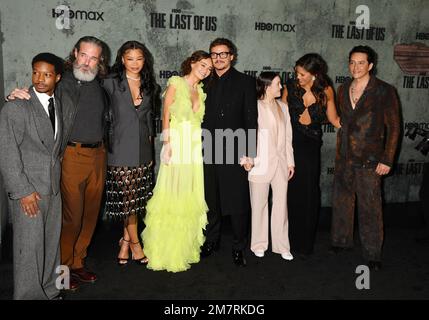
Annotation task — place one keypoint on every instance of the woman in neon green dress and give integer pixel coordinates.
(176, 213)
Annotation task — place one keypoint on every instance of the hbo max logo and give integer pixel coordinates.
(279, 27)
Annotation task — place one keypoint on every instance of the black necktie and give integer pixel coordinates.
(51, 110)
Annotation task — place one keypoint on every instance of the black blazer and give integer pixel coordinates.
(229, 105)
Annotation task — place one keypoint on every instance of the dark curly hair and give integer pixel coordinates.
(103, 62)
(195, 57)
(316, 65)
(147, 74)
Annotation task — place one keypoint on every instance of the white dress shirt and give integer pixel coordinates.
(44, 100)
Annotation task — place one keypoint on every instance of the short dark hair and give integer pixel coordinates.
(225, 42)
(370, 53)
(50, 58)
(263, 81)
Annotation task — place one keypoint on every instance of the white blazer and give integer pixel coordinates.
(274, 143)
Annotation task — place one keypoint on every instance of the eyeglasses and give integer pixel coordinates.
(222, 55)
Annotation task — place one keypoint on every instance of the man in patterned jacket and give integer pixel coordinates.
(366, 145)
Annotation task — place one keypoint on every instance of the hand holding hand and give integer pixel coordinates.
(247, 163)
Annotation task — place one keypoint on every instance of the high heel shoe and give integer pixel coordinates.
(141, 261)
(123, 261)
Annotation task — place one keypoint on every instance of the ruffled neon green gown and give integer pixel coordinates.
(177, 212)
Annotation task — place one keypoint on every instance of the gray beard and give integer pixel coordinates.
(84, 76)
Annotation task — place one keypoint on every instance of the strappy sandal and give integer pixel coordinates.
(123, 261)
(141, 261)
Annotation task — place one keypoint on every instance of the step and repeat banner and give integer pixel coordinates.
(269, 34)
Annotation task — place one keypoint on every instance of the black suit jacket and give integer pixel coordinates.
(231, 105)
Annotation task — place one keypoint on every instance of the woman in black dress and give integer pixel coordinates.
(311, 103)
(132, 89)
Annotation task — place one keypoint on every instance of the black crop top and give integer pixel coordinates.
(296, 107)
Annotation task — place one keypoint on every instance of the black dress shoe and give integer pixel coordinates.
(374, 265)
(208, 248)
(238, 258)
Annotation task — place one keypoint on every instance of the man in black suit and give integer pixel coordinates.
(231, 120)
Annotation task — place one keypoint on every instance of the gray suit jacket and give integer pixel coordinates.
(131, 127)
(29, 159)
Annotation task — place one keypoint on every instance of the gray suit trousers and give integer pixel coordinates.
(36, 249)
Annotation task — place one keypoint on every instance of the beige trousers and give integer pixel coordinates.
(279, 216)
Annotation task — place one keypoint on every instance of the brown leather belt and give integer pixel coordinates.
(85, 145)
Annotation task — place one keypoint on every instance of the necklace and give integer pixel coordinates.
(354, 95)
(131, 78)
(352, 90)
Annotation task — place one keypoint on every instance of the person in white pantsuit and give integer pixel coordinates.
(274, 165)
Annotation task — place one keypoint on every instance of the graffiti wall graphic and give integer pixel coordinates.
(270, 35)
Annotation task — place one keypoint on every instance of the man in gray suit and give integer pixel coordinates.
(30, 136)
